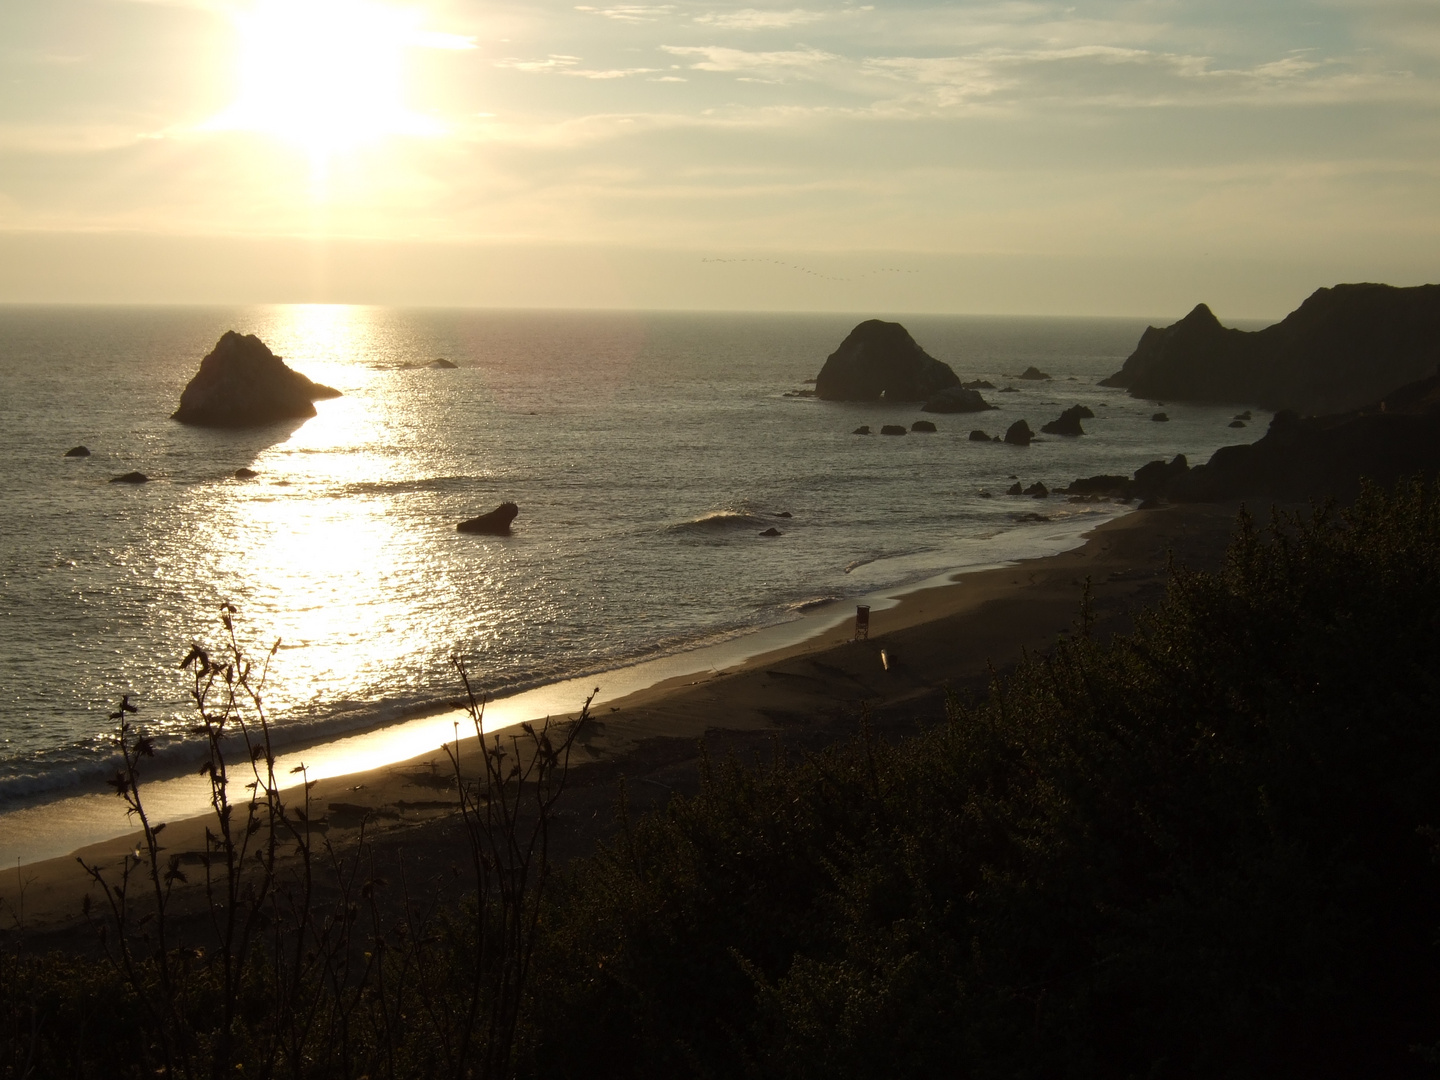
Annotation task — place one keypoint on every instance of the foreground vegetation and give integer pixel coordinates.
(1205, 849)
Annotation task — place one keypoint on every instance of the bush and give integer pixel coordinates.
(1204, 849)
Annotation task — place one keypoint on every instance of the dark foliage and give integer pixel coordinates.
(1203, 850)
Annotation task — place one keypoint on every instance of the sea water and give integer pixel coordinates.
(647, 453)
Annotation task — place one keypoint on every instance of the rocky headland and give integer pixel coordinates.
(1342, 348)
(241, 383)
(880, 361)
(1299, 458)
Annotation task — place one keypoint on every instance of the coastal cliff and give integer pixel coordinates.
(1342, 348)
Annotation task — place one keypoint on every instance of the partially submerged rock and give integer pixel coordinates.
(863, 429)
(979, 436)
(495, 523)
(892, 429)
(245, 474)
(880, 360)
(78, 451)
(441, 364)
(1037, 490)
(978, 384)
(241, 383)
(1033, 373)
(1068, 422)
(922, 425)
(1160, 418)
(1019, 434)
(130, 478)
(772, 531)
(956, 399)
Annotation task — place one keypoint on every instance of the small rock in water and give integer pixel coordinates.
(979, 436)
(1014, 489)
(922, 425)
(772, 531)
(892, 429)
(441, 364)
(1033, 373)
(495, 523)
(1037, 490)
(863, 429)
(784, 514)
(1243, 416)
(1237, 423)
(1068, 422)
(1019, 434)
(78, 451)
(130, 478)
(1160, 418)
(245, 474)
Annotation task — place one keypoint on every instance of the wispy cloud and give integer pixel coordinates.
(631, 13)
(756, 19)
(558, 64)
(775, 65)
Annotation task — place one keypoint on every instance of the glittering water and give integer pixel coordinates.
(646, 453)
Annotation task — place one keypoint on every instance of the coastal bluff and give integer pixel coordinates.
(241, 383)
(880, 361)
(1343, 348)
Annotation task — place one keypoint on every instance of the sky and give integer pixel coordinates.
(1119, 157)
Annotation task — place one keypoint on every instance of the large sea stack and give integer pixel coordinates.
(1342, 348)
(243, 384)
(880, 360)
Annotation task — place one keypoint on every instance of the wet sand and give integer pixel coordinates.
(940, 640)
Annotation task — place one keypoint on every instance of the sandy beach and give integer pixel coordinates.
(940, 640)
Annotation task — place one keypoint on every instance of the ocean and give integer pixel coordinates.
(646, 451)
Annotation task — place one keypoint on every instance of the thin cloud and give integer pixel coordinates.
(755, 19)
(719, 58)
(631, 13)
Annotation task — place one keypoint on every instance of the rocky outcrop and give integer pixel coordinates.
(441, 364)
(922, 426)
(956, 399)
(243, 384)
(245, 474)
(1033, 373)
(978, 384)
(880, 360)
(772, 531)
(1068, 422)
(495, 523)
(130, 478)
(1019, 434)
(892, 429)
(1343, 347)
(1037, 490)
(1305, 457)
(979, 436)
(78, 451)
(863, 429)
(1160, 418)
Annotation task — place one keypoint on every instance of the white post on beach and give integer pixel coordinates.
(862, 622)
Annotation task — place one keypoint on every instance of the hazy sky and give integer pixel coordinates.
(1105, 157)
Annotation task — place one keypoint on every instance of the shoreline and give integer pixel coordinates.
(947, 633)
(57, 821)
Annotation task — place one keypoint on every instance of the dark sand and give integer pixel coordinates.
(938, 640)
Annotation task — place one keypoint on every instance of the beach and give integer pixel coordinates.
(935, 641)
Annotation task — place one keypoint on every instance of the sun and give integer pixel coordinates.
(328, 75)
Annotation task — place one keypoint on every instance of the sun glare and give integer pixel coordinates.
(329, 75)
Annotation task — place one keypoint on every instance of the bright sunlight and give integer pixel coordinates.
(329, 75)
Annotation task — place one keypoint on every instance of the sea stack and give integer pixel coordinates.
(495, 523)
(243, 384)
(881, 361)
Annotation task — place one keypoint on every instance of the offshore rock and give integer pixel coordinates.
(130, 478)
(1343, 348)
(243, 384)
(979, 436)
(922, 425)
(1068, 422)
(892, 429)
(1019, 434)
(495, 523)
(78, 451)
(881, 361)
(441, 364)
(863, 429)
(1033, 373)
(956, 399)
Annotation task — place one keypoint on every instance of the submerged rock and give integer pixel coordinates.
(772, 531)
(1068, 422)
(441, 364)
(1160, 418)
(892, 429)
(241, 383)
(130, 478)
(922, 425)
(880, 360)
(78, 451)
(1033, 373)
(979, 436)
(863, 429)
(495, 523)
(956, 399)
(245, 474)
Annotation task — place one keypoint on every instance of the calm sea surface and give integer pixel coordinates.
(646, 453)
